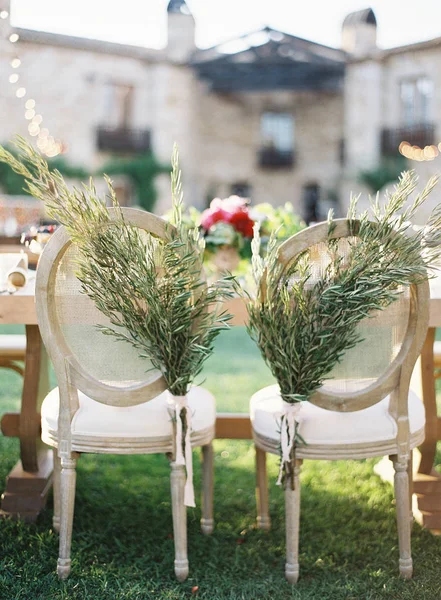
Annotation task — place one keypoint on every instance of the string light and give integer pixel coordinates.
(414, 152)
(45, 142)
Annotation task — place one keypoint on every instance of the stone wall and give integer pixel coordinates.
(372, 102)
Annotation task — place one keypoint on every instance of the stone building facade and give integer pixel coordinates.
(269, 115)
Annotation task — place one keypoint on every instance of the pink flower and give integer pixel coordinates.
(231, 210)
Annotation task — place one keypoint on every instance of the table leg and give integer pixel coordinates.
(428, 447)
(427, 481)
(29, 482)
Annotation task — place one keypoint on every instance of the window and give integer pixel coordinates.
(277, 140)
(311, 198)
(277, 130)
(118, 105)
(415, 99)
(241, 189)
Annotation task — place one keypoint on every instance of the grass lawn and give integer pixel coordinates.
(122, 541)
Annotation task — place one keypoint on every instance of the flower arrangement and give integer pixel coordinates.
(227, 223)
(303, 327)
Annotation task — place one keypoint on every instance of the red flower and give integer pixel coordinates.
(232, 210)
(242, 223)
(211, 216)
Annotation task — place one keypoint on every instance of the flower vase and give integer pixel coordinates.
(226, 259)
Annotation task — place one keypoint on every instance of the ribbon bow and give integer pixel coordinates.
(184, 456)
(289, 420)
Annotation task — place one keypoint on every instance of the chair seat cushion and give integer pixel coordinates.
(321, 426)
(149, 420)
(12, 346)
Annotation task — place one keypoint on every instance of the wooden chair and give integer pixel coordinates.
(366, 410)
(107, 400)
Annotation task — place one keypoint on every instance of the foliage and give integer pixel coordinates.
(389, 170)
(10, 181)
(14, 184)
(66, 169)
(303, 327)
(151, 289)
(141, 170)
(281, 219)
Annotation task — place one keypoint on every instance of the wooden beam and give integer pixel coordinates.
(233, 426)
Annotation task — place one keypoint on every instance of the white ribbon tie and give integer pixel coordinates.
(289, 418)
(185, 457)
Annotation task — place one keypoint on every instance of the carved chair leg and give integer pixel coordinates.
(263, 518)
(56, 491)
(67, 495)
(179, 511)
(207, 521)
(401, 483)
(292, 516)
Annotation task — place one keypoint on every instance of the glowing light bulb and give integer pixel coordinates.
(41, 143)
(37, 119)
(14, 78)
(15, 63)
(21, 92)
(30, 104)
(29, 114)
(14, 37)
(33, 129)
(4, 14)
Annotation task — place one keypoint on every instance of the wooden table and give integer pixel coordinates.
(30, 480)
(28, 483)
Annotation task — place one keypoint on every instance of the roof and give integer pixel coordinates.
(385, 53)
(365, 16)
(80, 43)
(269, 59)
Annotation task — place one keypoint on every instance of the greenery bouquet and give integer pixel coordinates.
(152, 291)
(304, 326)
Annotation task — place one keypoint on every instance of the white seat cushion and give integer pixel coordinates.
(12, 346)
(321, 426)
(150, 419)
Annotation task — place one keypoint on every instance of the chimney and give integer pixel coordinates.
(181, 31)
(359, 32)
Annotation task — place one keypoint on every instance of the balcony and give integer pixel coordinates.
(271, 158)
(123, 140)
(421, 135)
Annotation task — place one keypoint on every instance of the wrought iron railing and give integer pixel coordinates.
(123, 140)
(421, 135)
(271, 158)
